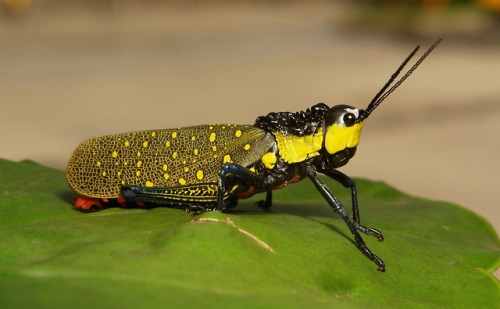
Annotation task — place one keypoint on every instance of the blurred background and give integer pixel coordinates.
(73, 69)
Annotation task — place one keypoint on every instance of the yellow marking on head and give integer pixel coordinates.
(149, 184)
(174, 134)
(186, 169)
(269, 160)
(153, 134)
(214, 148)
(182, 181)
(212, 137)
(138, 173)
(164, 167)
(237, 133)
(145, 144)
(252, 169)
(139, 163)
(167, 144)
(196, 151)
(246, 147)
(295, 149)
(339, 137)
(174, 155)
(114, 154)
(199, 174)
(166, 176)
(227, 158)
(127, 143)
(98, 164)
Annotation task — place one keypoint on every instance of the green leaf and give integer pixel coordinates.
(438, 255)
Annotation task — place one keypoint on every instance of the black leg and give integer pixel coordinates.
(244, 174)
(267, 203)
(347, 182)
(338, 208)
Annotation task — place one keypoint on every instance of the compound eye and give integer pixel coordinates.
(349, 119)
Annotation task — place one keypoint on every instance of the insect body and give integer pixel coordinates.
(213, 166)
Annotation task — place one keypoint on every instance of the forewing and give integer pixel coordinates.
(168, 157)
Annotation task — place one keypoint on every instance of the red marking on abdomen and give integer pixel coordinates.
(248, 193)
(85, 203)
(286, 183)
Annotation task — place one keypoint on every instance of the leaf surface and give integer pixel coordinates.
(438, 255)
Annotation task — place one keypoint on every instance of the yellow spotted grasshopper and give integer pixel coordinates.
(210, 167)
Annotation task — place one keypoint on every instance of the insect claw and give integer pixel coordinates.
(369, 231)
(197, 209)
(380, 263)
(262, 204)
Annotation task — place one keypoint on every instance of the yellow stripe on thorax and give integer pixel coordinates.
(294, 148)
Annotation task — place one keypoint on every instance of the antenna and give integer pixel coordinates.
(381, 95)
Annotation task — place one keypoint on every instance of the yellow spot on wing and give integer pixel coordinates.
(153, 134)
(246, 147)
(114, 154)
(237, 133)
(164, 167)
(199, 175)
(212, 137)
(145, 144)
(227, 158)
(186, 169)
(174, 155)
(193, 138)
(149, 184)
(214, 148)
(166, 176)
(167, 144)
(182, 181)
(196, 151)
(138, 153)
(174, 134)
(139, 163)
(138, 173)
(98, 164)
(127, 143)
